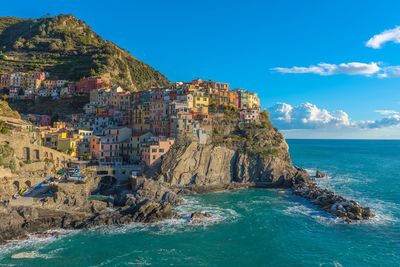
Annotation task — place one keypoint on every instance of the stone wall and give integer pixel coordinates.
(24, 150)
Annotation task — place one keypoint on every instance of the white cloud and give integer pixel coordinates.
(309, 116)
(390, 72)
(325, 69)
(392, 35)
(392, 120)
(387, 112)
(306, 116)
(372, 69)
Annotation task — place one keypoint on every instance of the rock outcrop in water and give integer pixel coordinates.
(319, 174)
(331, 202)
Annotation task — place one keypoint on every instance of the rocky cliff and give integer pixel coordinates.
(243, 154)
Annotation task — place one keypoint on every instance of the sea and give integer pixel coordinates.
(257, 227)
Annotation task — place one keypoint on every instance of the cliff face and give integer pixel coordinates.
(236, 153)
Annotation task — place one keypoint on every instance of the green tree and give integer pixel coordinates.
(4, 130)
(12, 165)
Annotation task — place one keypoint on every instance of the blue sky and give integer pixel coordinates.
(241, 42)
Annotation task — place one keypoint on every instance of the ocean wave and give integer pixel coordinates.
(31, 255)
(218, 214)
(307, 209)
(190, 205)
(30, 246)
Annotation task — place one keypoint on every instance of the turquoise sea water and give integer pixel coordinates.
(254, 227)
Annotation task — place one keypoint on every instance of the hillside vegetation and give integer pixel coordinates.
(69, 49)
(6, 111)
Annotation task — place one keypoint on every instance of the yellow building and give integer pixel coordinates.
(254, 101)
(201, 111)
(33, 84)
(200, 99)
(63, 135)
(68, 145)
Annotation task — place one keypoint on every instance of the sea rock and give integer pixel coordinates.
(199, 217)
(332, 203)
(319, 174)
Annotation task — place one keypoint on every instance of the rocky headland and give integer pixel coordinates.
(236, 155)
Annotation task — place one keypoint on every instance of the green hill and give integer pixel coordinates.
(69, 49)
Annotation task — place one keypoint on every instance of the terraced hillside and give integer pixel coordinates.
(69, 49)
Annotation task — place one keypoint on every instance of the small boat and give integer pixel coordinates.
(103, 198)
(76, 177)
(62, 172)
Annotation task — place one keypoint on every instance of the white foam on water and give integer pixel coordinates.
(140, 261)
(171, 226)
(218, 214)
(31, 255)
(313, 212)
(28, 248)
(190, 205)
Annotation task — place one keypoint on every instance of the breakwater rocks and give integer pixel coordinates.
(349, 210)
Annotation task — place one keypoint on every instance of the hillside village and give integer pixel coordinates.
(120, 127)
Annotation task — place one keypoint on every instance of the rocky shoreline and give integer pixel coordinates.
(147, 201)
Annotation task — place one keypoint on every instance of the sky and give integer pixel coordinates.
(324, 69)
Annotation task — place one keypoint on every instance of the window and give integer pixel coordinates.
(161, 150)
(154, 150)
(154, 157)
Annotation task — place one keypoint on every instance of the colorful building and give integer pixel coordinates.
(86, 85)
(249, 115)
(154, 149)
(68, 146)
(105, 149)
(228, 98)
(200, 99)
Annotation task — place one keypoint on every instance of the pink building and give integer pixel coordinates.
(250, 115)
(39, 75)
(105, 149)
(85, 85)
(44, 120)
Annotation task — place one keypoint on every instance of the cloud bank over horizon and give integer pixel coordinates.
(372, 69)
(378, 40)
(308, 116)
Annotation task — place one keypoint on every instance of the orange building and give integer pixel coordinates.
(153, 150)
(228, 98)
